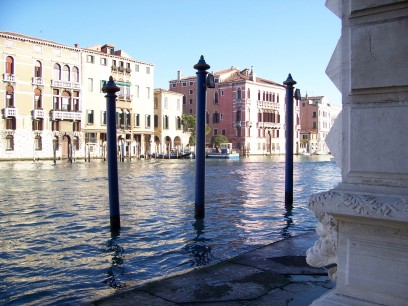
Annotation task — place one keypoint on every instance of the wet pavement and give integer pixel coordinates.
(276, 274)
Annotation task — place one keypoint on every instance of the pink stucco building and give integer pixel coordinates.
(248, 110)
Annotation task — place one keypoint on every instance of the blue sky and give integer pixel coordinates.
(276, 37)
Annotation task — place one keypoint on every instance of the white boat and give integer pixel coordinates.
(224, 152)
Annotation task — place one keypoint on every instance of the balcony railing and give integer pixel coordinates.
(65, 84)
(9, 112)
(37, 81)
(38, 113)
(9, 77)
(61, 115)
(267, 104)
(268, 125)
(238, 123)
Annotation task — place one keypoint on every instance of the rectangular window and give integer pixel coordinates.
(137, 120)
(221, 116)
(191, 91)
(191, 83)
(148, 92)
(137, 91)
(103, 117)
(90, 116)
(147, 70)
(136, 67)
(223, 132)
(147, 121)
(103, 61)
(173, 85)
(55, 125)
(222, 92)
(184, 84)
(90, 84)
(9, 143)
(76, 126)
(314, 125)
(191, 101)
(11, 123)
(215, 132)
(90, 59)
(191, 111)
(314, 114)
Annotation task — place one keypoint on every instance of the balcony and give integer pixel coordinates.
(62, 115)
(267, 105)
(238, 123)
(9, 112)
(37, 81)
(65, 84)
(38, 113)
(9, 77)
(267, 125)
(249, 124)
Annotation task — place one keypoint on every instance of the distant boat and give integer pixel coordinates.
(225, 152)
(171, 155)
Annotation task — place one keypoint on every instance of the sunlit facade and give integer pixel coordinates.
(52, 104)
(248, 110)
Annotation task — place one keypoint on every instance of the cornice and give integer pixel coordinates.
(370, 205)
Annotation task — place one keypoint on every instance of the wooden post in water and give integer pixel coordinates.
(110, 89)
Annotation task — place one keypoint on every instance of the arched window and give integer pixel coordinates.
(216, 118)
(66, 101)
(75, 74)
(238, 115)
(248, 94)
(38, 69)
(156, 103)
(75, 143)
(277, 98)
(38, 143)
(263, 96)
(55, 143)
(239, 94)
(178, 123)
(37, 99)
(165, 122)
(273, 97)
(9, 65)
(216, 97)
(259, 95)
(156, 121)
(56, 72)
(9, 96)
(65, 73)
(9, 143)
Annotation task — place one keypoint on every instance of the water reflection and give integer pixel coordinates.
(198, 248)
(117, 265)
(288, 221)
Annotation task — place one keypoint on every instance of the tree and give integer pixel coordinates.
(189, 126)
(218, 139)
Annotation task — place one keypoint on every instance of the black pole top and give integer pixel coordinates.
(110, 88)
(289, 81)
(201, 65)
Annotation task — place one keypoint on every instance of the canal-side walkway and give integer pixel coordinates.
(276, 274)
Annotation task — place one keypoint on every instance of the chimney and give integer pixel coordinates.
(179, 75)
(76, 45)
(252, 74)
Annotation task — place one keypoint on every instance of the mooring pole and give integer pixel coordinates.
(201, 67)
(110, 89)
(289, 141)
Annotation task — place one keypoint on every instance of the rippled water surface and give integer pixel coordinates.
(56, 246)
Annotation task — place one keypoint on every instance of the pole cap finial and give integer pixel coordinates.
(201, 65)
(110, 86)
(289, 81)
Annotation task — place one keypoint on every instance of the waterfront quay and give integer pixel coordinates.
(57, 247)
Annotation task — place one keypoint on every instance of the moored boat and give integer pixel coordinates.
(225, 152)
(173, 155)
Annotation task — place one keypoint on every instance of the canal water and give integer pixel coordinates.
(56, 246)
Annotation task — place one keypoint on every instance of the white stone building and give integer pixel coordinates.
(168, 130)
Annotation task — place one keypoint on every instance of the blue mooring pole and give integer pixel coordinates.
(110, 89)
(201, 67)
(289, 141)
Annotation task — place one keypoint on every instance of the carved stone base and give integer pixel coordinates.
(366, 235)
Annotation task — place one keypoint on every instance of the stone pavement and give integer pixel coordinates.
(273, 275)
